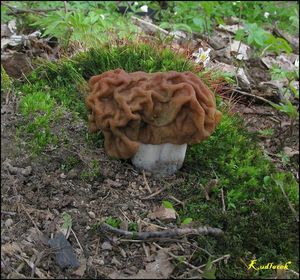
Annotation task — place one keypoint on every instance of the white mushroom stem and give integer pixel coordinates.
(160, 160)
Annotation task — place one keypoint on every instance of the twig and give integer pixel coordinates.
(252, 95)
(225, 257)
(146, 250)
(239, 46)
(7, 96)
(77, 239)
(150, 224)
(146, 183)
(162, 234)
(223, 201)
(16, 11)
(150, 240)
(35, 225)
(8, 213)
(151, 27)
(65, 6)
(34, 269)
(294, 272)
(177, 200)
(154, 194)
(205, 192)
(289, 203)
(178, 258)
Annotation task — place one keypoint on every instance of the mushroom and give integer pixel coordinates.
(151, 117)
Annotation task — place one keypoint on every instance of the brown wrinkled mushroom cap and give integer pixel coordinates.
(157, 108)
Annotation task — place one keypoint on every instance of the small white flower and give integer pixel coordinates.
(233, 3)
(102, 16)
(202, 56)
(297, 62)
(266, 14)
(135, 3)
(175, 13)
(144, 8)
(275, 13)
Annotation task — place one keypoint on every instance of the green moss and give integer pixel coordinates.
(6, 83)
(258, 222)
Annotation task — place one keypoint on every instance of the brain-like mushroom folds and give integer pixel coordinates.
(150, 108)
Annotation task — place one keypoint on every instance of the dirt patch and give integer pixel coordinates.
(277, 138)
(33, 204)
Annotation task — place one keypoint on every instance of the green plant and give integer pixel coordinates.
(257, 15)
(90, 28)
(92, 172)
(257, 37)
(287, 106)
(266, 132)
(167, 204)
(39, 113)
(114, 222)
(67, 218)
(6, 83)
(69, 163)
(285, 159)
(187, 221)
(132, 226)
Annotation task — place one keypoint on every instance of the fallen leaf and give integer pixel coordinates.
(163, 213)
(290, 152)
(10, 248)
(82, 267)
(241, 50)
(161, 268)
(230, 28)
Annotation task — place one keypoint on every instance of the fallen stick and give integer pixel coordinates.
(154, 194)
(162, 234)
(150, 27)
(146, 183)
(16, 11)
(252, 95)
(8, 213)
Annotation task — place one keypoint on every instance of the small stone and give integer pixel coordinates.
(123, 253)
(124, 207)
(26, 171)
(116, 262)
(106, 246)
(98, 261)
(92, 214)
(9, 222)
(73, 173)
(64, 252)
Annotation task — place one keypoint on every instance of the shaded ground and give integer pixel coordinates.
(38, 198)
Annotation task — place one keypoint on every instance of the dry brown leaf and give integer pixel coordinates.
(163, 213)
(10, 248)
(82, 267)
